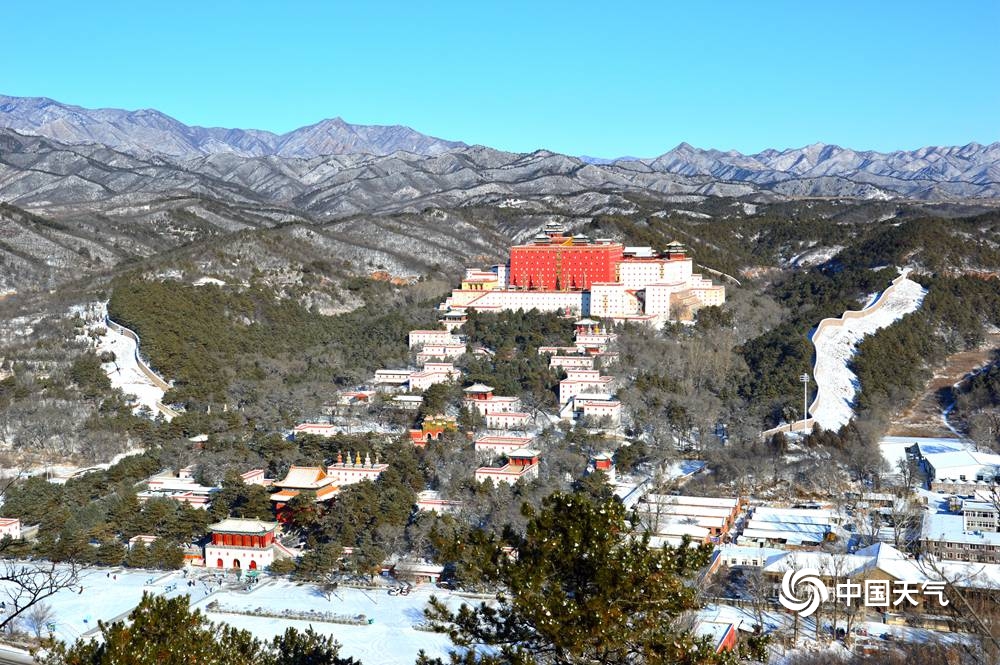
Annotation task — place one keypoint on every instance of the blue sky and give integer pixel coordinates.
(602, 79)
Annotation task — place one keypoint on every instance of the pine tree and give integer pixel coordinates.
(581, 589)
(306, 648)
(161, 631)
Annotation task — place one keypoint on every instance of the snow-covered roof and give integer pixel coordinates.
(894, 563)
(238, 525)
(478, 388)
(768, 554)
(665, 509)
(951, 529)
(791, 536)
(524, 453)
(663, 521)
(657, 542)
(962, 462)
(595, 397)
(715, 631)
(688, 500)
(304, 477)
(796, 515)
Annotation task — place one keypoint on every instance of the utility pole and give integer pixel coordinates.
(805, 399)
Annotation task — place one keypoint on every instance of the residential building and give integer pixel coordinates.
(791, 527)
(433, 373)
(508, 420)
(389, 379)
(961, 471)
(481, 397)
(180, 486)
(430, 501)
(968, 533)
(572, 362)
(492, 445)
(317, 429)
(579, 381)
(419, 338)
(10, 527)
(522, 463)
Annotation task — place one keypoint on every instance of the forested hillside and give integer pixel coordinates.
(223, 345)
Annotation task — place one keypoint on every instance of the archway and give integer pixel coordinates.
(253, 565)
(236, 564)
(219, 564)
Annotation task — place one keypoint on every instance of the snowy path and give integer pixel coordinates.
(836, 342)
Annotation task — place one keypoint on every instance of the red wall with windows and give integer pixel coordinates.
(239, 540)
(563, 267)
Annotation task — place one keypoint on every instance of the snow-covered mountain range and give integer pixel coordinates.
(334, 167)
(150, 131)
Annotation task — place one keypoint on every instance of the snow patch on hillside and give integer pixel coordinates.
(815, 257)
(836, 384)
(123, 371)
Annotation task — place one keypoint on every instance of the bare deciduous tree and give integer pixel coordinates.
(38, 618)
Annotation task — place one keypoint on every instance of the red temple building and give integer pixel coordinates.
(557, 262)
(241, 544)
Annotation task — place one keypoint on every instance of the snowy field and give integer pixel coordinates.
(390, 639)
(124, 371)
(105, 598)
(836, 345)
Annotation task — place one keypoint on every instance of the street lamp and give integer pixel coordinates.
(805, 399)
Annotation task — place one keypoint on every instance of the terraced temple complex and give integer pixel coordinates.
(557, 272)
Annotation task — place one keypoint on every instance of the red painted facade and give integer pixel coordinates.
(562, 265)
(238, 540)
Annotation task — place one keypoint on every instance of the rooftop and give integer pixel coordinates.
(951, 528)
(304, 477)
(237, 525)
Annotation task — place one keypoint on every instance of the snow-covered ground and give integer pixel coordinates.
(814, 257)
(835, 345)
(390, 639)
(204, 281)
(104, 598)
(124, 371)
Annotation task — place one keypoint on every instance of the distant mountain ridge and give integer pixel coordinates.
(336, 168)
(149, 131)
(973, 163)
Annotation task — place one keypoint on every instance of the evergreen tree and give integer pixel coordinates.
(161, 631)
(237, 499)
(581, 590)
(306, 648)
